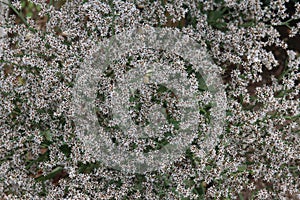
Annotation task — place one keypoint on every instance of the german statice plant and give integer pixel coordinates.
(255, 44)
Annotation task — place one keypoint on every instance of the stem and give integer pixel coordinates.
(19, 15)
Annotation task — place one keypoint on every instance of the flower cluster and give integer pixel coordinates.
(255, 44)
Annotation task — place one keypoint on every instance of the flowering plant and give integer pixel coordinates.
(45, 46)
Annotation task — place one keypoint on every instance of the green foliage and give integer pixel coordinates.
(51, 175)
(215, 18)
(88, 167)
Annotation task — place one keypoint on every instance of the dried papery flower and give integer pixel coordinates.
(48, 47)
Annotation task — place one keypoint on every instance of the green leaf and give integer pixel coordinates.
(51, 175)
(47, 135)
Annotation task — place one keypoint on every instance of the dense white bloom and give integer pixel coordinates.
(254, 43)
